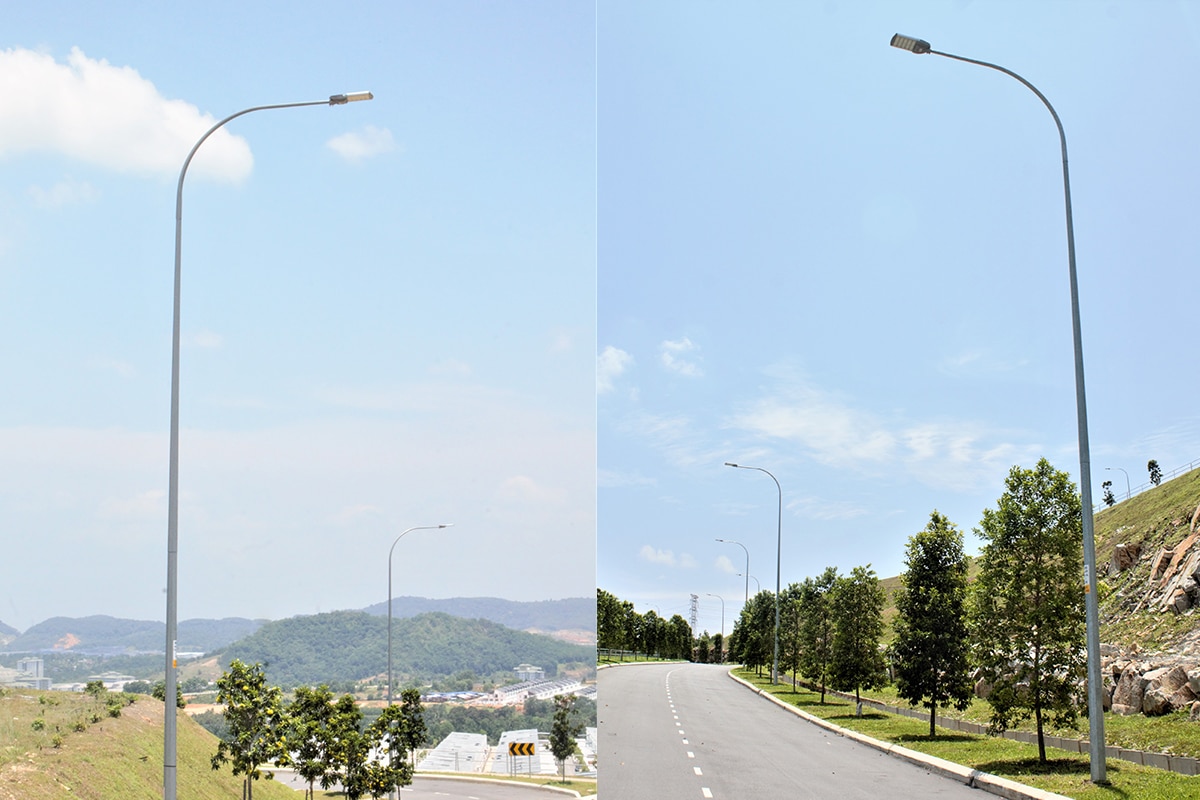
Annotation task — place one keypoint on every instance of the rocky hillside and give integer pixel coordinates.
(1148, 559)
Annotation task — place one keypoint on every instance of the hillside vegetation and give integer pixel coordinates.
(100, 634)
(572, 613)
(344, 646)
(111, 757)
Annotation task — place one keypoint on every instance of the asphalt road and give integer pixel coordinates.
(689, 732)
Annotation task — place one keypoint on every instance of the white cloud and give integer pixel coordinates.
(63, 193)
(672, 352)
(207, 339)
(109, 116)
(610, 365)
(956, 455)
(656, 556)
(122, 368)
(523, 489)
(355, 147)
(612, 479)
(725, 565)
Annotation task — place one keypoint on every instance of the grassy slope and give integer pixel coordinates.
(119, 757)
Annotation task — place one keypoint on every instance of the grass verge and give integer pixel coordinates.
(1067, 774)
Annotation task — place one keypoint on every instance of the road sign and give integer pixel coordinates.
(521, 748)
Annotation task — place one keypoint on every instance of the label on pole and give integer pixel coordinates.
(1087, 578)
(174, 655)
(521, 748)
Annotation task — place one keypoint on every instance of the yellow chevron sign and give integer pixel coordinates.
(521, 749)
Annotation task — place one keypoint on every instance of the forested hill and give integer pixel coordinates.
(572, 613)
(102, 634)
(7, 632)
(352, 645)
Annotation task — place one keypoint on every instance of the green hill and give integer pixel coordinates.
(100, 634)
(118, 757)
(352, 645)
(572, 613)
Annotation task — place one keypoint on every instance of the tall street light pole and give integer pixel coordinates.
(1128, 491)
(739, 544)
(389, 603)
(169, 727)
(721, 655)
(1091, 603)
(756, 583)
(778, 558)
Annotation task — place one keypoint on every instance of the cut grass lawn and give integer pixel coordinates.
(1065, 773)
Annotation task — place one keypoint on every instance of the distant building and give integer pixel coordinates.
(29, 674)
(528, 672)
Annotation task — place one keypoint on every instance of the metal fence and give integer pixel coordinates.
(1136, 490)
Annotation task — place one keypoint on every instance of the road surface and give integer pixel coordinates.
(689, 732)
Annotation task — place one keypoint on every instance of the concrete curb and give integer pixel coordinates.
(994, 784)
(471, 779)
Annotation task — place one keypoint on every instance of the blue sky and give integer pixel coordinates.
(847, 264)
(389, 307)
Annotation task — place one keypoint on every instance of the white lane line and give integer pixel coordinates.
(697, 770)
(707, 792)
(685, 741)
(691, 754)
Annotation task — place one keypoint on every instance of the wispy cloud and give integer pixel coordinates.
(109, 116)
(207, 339)
(666, 557)
(122, 368)
(610, 365)
(674, 356)
(63, 193)
(361, 145)
(955, 454)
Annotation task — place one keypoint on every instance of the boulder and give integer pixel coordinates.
(1127, 697)
(1155, 703)
(982, 689)
(1125, 556)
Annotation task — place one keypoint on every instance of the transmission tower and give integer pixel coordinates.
(694, 615)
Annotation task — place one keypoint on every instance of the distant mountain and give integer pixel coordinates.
(352, 645)
(7, 634)
(104, 635)
(545, 616)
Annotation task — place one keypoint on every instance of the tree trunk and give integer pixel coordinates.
(1037, 714)
(932, 718)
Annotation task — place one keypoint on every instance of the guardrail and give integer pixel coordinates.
(1136, 490)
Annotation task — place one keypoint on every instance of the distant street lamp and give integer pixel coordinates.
(169, 724)
(739, 544)
(1091, 603)
(721, 655)
(778, 560)
(1128, 491)
(756, 583)
(389, 602)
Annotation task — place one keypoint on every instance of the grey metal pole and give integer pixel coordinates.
(1128, 491)
(1091, 602)
(739, 544)
(169, 722)
(778, 561)
(756, 583)
(389, 599)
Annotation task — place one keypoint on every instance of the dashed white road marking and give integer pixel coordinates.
(707, 792)
(691, 754)
(697, 770)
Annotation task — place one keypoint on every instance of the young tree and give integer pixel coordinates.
(789, 631)
(703, 646)
(1109, 499)
(415, 733)
(816, 627)
(563, 731)
(308, 734)
(931, 649)
(389, 734)
(1155, 472)
(857, 607)
(1027, 617)
(254, 718)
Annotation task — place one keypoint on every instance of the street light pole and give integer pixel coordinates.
(1128, 491)
(721, 655)
(389, 599)
(1091, 602)
(169, 726)
(778, 559)
(739, 544)
(756, 583)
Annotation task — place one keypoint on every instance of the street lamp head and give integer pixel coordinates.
(446, 525)
(350, 97)
(730, 464)
(918, 46)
